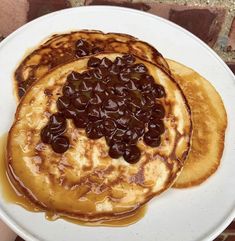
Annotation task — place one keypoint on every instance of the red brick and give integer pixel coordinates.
(19, 239)
(203, 22)
(220, 238)
(139, 5)
(231, 36)
(230, 238)
(231, 227)
(13, 14)
(232, 67)
(40, 7)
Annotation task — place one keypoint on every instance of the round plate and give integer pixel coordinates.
(198, 213)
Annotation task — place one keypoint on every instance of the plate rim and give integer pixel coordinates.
(11, 222)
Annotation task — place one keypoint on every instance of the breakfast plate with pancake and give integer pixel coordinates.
(115, 124)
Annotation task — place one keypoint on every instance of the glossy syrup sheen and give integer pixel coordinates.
(11, 195)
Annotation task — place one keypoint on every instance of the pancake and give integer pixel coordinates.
(84, 181)
(62, 48)
(209, 124)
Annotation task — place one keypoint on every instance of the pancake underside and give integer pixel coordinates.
(84, 181)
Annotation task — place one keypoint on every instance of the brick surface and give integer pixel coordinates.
(232, 67)
(40, 7)
(231, 36)
(13, 14)
(230, 238)
(21, 11)
(201, 22)
(232, 225)
(137, 5)
(5, 232)
(19, 239)
(204, 23)
(220, 238)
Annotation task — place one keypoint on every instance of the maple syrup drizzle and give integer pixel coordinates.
(12, 195)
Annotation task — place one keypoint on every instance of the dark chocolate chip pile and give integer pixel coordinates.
(116, 100)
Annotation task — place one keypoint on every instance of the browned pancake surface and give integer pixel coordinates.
(60, 49)
(209, 123)
(84, 181)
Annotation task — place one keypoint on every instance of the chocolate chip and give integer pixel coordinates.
(70, 112)
(143, 114)
(138, 126)
(86, 75)
(81, 43)
(73, 76)
(131, 85)
(96, 50)
(117, 136)
(105, 63)
(80, 101)
(157, 126)
(128, 58)
(99, 87)
(152, 138)
(131, 136)
(159, 91)
(109, 126)
(57, 123)
(140, 68)
(146, 83)
(86, 85)
(93, 131)
(93, 62)
(124, 76)
(119, 89)
(68, 90)
(46, 135)
(97, 74)
(132, 154)
(110, 104)
(62, 103)
(114, 69)
(94, 113)
(96, 99)
(81, 120)
(123, 121)
(158, 111)
(119, 61)
(116, 150)
(81, 52)
(60, 144)
(148, 100)
(126, 70)
(135, 103)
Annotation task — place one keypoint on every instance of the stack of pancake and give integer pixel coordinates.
(105, 123)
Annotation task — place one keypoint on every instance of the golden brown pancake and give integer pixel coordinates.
(209, 123)
(85, 182)
(60, 49)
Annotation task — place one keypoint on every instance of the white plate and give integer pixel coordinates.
(199, 213)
